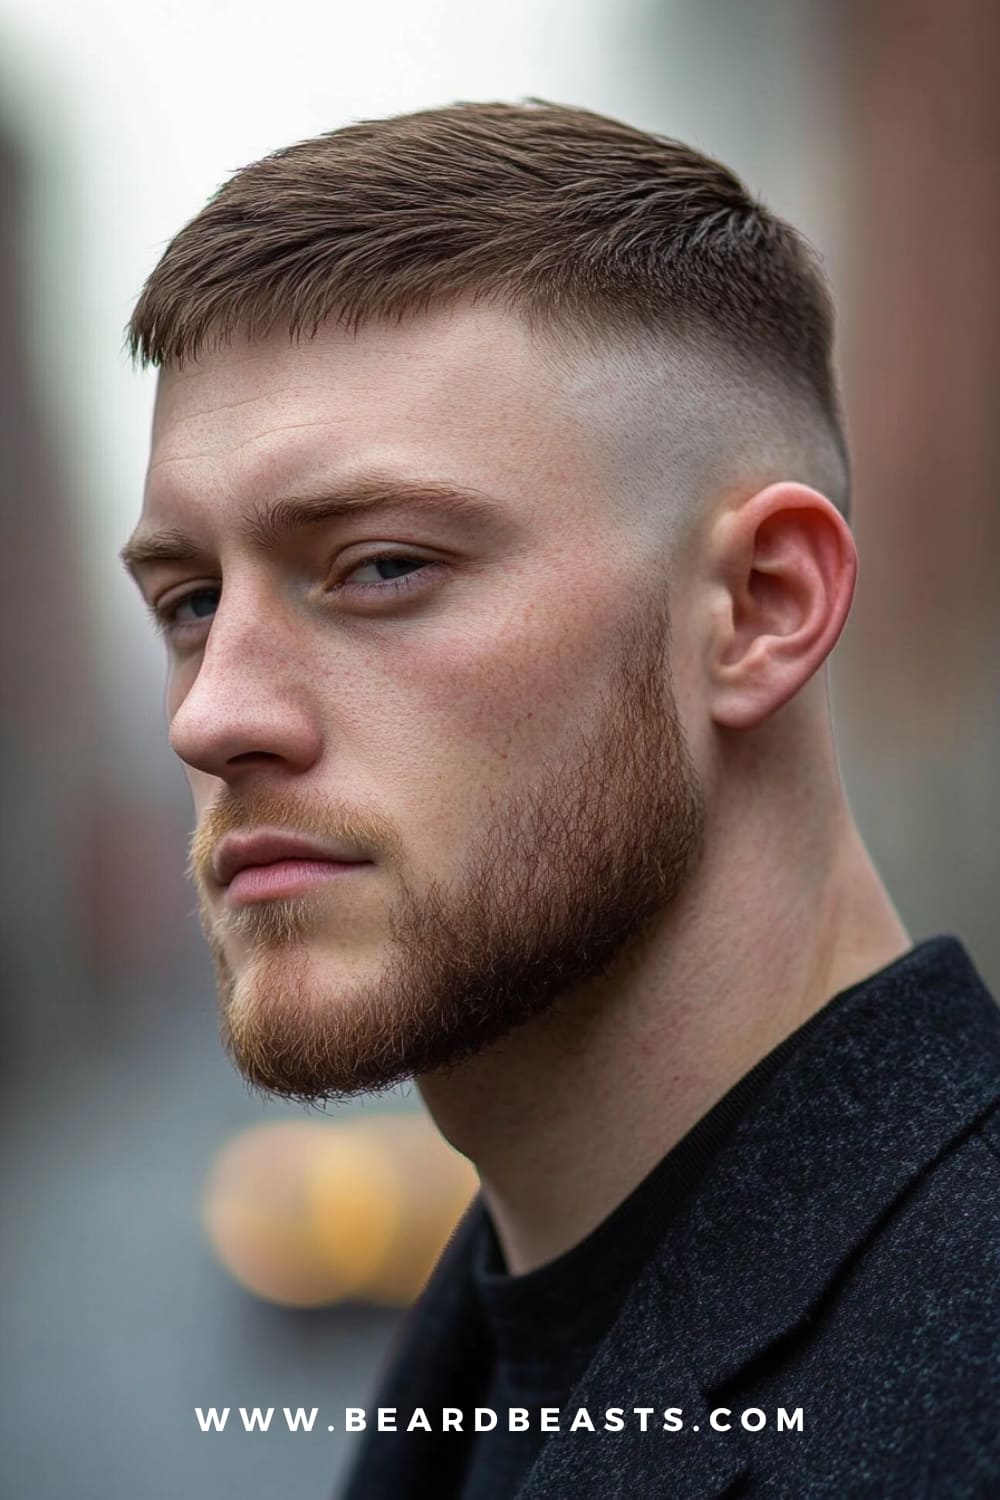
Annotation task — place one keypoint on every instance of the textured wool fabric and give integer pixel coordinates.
(841, 1258)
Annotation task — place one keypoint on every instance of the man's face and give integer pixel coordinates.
(494, 733)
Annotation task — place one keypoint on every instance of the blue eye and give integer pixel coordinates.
(170, 619)
(167, 618)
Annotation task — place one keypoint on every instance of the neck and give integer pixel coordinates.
(565, 1115)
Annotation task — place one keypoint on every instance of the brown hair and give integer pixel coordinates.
(580, 223)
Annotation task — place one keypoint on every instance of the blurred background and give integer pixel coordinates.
(170, 1240)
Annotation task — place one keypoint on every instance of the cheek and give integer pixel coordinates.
(475, 713)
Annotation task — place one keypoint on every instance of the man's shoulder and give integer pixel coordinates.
(916, 1303)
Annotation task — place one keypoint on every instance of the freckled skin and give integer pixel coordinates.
(531, 628)
(503, 743)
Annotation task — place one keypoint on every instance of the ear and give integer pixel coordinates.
(783, 568)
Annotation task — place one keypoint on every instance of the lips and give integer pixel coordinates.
(237, 852)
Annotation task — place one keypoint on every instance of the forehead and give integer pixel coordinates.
(464, 394)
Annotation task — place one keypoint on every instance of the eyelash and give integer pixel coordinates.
(165, 616)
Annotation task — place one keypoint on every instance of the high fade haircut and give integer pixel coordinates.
(600, 236)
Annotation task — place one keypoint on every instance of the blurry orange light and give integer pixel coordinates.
(304, 1213)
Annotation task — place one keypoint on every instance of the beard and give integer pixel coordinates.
(567, 878)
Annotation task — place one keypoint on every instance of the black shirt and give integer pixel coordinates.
(546, 1324)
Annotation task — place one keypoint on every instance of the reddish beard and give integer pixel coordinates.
(561, 884)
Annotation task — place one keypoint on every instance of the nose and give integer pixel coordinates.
(248, 703)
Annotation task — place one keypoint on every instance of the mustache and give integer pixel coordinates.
(323, 819)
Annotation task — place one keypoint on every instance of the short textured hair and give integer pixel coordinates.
(581, 224)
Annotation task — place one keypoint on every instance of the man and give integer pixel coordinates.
(496, 520)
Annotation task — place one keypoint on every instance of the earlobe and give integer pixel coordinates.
(786, 564)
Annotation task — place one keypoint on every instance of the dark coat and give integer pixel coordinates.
(841, 1255)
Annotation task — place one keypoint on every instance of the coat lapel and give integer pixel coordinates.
(884, 1086)
(893, 1078)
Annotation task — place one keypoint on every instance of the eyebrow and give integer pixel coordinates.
(269, 524)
